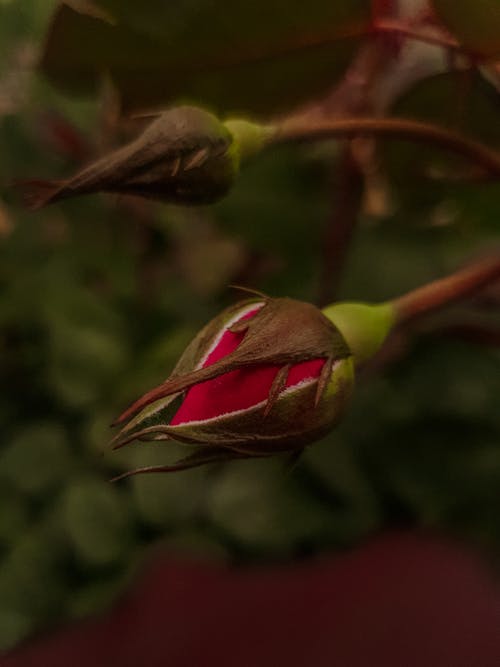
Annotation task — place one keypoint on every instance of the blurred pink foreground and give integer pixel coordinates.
(401, 601)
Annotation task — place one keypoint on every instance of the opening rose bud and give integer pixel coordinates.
(273, 375)
(265, 376)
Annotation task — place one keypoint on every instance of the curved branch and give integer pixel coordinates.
(298, 130)
(446, 291)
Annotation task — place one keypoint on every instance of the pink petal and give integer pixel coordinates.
(239, 389)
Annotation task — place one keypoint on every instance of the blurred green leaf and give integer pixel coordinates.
(14, 517)
(166, 500)
(82, 360)
(355, 511)
(264, 509)
(245, 55)
(98, 522)
(85, 347)
(37, 459)
(14, 627)
(31, 580)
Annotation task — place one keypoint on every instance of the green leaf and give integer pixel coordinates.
(83, 360)
(14, 627)
(245, 55)
(31, 577)
(263, 509)
(37, 459)
(355, 510)
(97, 522)
(86, 346)
(166, 500)
(13, 516)
(476, 23)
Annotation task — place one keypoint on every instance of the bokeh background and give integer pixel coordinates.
(100, 295)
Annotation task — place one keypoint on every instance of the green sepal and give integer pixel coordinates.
(248, 138)
(364, 326)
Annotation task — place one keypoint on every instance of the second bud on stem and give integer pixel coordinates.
(274, 375)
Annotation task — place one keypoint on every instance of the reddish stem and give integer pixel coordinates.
(298, 130)
(446, 291)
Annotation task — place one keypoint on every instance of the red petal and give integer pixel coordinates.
(240, 389)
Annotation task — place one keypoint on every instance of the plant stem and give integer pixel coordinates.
(350, 179)
(394, 27)
(296, 130)
(446, 291)
(347, 193)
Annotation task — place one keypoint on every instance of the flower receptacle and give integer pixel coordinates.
(248, 138)
(364, 326)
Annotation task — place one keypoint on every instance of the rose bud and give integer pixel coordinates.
(185, 156)
(265, 376)
(273, 375)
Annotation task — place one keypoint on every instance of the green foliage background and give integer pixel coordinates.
(98, 298)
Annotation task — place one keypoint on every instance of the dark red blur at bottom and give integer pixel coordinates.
(401, 601)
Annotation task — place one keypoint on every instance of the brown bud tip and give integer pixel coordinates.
(36, 193)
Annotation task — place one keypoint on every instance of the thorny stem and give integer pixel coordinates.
(446, 291)
(297, 130)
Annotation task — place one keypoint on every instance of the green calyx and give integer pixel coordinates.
(248, 138)
(364, 326)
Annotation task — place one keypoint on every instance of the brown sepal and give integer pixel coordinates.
(181, 157)
(198, 458)
(276, 388)
(283, 332)
(323, 380)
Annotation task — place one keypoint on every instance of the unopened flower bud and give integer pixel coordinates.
(185, 156)
(265, 376)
